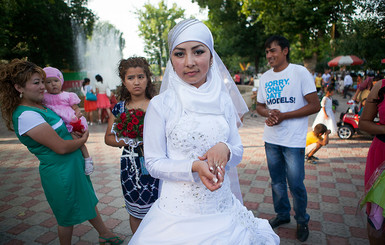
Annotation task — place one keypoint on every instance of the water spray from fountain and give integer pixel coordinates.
(101, 53)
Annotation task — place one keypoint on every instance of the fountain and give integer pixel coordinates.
(101, 53)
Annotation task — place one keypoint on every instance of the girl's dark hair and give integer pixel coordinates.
(330, 89)
(99, 78)
(124, 64)
(18, 72)
(85, 81)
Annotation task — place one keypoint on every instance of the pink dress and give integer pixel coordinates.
(61, 105)
(376, 156)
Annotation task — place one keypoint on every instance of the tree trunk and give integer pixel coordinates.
(311, 63)
(256, 63)
(160, 66)
(159, 61)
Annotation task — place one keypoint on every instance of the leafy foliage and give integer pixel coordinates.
(364, 35)
(82, 16)
(238, 37)
(155, 23)
(318, 30)
(41, 30)
(307, 24)
(364, 39)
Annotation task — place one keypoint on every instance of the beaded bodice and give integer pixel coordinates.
(192, 136)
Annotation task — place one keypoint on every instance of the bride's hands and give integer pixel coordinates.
(217, 156)
(210, 180)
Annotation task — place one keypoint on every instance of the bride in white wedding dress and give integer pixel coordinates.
(192, 144)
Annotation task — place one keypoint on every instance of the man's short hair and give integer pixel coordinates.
(281, 41)
(320, 129)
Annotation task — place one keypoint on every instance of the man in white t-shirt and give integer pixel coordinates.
(286, 96)
(348, 81)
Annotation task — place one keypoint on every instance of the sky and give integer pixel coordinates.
(121, 14)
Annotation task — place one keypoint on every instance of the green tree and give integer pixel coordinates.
(364, 36)
(307, 24)
(237, 37)
(41, 30)
(374, 9)
(155, 23)
(82, 16)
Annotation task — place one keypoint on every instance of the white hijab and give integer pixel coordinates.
(206, 98)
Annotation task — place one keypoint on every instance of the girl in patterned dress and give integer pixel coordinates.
(140, 190)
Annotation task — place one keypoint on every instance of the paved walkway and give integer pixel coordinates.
(334, 187)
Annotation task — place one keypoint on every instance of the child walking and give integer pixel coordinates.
(65, 105)
(326, 114)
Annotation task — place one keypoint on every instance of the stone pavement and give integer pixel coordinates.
(334, 187)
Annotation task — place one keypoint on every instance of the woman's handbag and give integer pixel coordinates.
(91, 96)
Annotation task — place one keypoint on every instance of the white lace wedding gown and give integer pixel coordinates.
(189, 213)
(330, 123)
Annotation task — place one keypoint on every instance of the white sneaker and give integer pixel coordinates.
(89, 166)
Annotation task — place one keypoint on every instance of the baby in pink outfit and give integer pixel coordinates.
(65, 105)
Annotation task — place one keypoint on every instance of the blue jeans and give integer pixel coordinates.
(286, 163)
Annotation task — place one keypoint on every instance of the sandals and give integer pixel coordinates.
(111, 241)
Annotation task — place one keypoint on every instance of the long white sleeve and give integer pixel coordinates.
(155, 149)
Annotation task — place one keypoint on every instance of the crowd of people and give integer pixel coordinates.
(178, 172)
(101, 99)
(344, 83)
